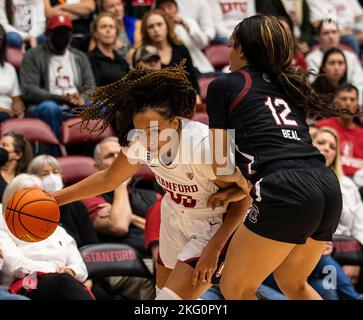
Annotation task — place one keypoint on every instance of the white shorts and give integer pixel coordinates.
(184, 235)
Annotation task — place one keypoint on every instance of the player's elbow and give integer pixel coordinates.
(119, 230)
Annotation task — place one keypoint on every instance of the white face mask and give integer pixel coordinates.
(52, 182)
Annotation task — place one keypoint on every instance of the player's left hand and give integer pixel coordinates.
(224, 197)
(206, 266)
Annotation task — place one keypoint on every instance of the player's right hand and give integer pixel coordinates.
(224, 197)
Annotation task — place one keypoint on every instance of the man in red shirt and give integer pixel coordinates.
(350, 134)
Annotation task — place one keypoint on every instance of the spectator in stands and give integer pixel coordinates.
(329, 38)
(297, 14)
(53, 75)
(80, 12)
(227, 14)
(107, 65)
(158, 30)
(201, 12)
(147, 56)
(11, 103)
(137, 8)
(189, 33)
(332, 73)
(19, 155)
(4, 293)
(74, 216)
(114, 221)
(111, 213)
(24, 22)
(347, 13)
(55, 263)
(130, 27)
(350, 134)
(351, 221)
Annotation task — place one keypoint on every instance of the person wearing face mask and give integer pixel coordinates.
(54, 74)
(15, 155)
(74, 217)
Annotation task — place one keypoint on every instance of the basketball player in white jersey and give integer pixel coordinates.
(193, 237)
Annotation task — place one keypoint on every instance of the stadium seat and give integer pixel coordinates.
(14, 57)
(203, 85)
(71, 133)
(201, 117)
(112, 259)
(76, 168)
(35, 130)
(218, 55)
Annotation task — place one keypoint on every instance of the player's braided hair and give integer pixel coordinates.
(168, 91)
(269, 47)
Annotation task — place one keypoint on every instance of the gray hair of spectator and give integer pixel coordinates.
(39, 162)
(336, 166)
(97, 151)
(20, 182)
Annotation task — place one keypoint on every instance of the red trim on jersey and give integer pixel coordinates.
(243, 92)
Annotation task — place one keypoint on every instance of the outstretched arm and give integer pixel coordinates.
(98, 183)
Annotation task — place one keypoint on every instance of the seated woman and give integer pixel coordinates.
(107, 65)
(24, 22)
(332, 73)
(158, 31)
(19, 153)
(11, 103)
(130, 27)
(74, 216)
(4, 292)
(54, 266)
(351, 222)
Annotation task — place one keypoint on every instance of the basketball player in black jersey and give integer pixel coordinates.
(297, 200)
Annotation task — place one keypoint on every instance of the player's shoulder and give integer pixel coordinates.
(197, 134)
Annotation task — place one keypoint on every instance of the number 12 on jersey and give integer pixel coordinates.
(280, 117)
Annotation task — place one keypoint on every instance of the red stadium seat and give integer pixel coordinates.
(71, 133)
(218, 55)
(14, 57)
(76, 168)
(201, 117)
(35, 130)
(203, 83)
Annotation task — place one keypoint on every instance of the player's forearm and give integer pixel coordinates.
(97, 183)
(235, 214)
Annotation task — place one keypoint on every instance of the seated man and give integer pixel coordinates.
(111, 213)
(114, 221)
(53, 75)
(350, 134)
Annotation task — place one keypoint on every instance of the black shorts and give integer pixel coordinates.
(295, 200)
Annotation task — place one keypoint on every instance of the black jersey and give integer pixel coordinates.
(268, 127)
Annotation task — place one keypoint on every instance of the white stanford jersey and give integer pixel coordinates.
(188, 180)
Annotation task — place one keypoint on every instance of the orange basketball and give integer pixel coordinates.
(32, 215)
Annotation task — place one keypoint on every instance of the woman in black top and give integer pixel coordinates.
(297, 200)
(158, 31)
(106, 64)
(20, 153)
(332, 73)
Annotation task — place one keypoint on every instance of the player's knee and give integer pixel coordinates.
(238, 291)
(290, 286)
